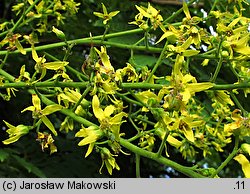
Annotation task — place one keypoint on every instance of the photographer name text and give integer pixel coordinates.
(69, 185)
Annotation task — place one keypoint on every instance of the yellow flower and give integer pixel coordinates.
(46, 141)
(3, 25)
(15, 132)
(41, 66)
(72, 96)
(41, 114)
(240, 126)
(147, 142)
(151, 13)
(67, 125)
(105, 65)
(245, 164)
(104, 117)
(221, 96)
(140, 22)
(145, 97)
(128, 71)
(108, 160)
(13, 42)
(17, 8)
(105, 15)
(186, 85)
(24, 75)
(183, 48)
(91, 135)
(238, 44)
(189, 20)
(104, 85)
(172, 34)
(185, 125)
(173, 141)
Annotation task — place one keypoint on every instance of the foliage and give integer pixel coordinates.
(171, 90)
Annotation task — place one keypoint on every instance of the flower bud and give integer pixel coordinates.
(245, 148)
(58, 33)
(224, 54)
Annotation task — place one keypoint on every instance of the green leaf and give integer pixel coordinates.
(3, 155)
(124, 39)
(143, 60)
(31, 168)
(247, 139)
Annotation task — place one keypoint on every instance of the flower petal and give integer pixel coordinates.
(109, 110)
(30, 108)
(245, 164)
(186, 11)
(189, 134)
(36, 102)
(12, 139)
(55, 65)
(173, 141)
(98, 112)
(90, 149)
(51, 109)
(47, 122)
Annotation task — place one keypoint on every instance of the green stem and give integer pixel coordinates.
(4, 60)
(161, 160)
(68, 50)
(23, 15)
(105, 32)
(144, 120)
(238, 103)
(7, 76)
(87, 40)
(81, 98)
(69, 113)
(71, 69)
(136, 97)
(230, 86)
(134, 125)
(127, 99)
(158, 62)
(185, 170)
(123, 85)
(163, 143)
(146, 34)
(229, 158)
(234, 71)
(141, 85)
(42, 84)
(159, 86)
(217, 70)
(175, 14)
(137, 165)
(140, 135)
(213, 6)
